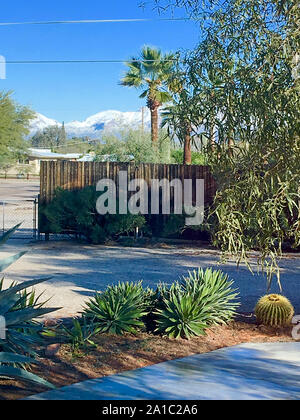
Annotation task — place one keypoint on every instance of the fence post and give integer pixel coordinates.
(3, 216)
(38, 219)
(34, 219)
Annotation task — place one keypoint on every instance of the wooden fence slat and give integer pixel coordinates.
(76, 175)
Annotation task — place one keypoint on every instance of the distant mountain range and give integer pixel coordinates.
(95, 125)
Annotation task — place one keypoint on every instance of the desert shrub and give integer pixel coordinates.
(123, 223)
(70, 211)
(200, 300)
(173, 226)
(75, 212)
(119, 309)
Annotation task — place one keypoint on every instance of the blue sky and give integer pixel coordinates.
(75, 91)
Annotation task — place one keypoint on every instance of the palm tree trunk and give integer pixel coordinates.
(187, 155)
(154, 124)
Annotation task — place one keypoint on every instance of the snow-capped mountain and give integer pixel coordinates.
(94, 126)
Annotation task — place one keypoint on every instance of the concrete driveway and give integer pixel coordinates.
(78, 270)
(256, 371)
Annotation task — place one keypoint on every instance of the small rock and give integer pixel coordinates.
(52, 322)
(52, 350)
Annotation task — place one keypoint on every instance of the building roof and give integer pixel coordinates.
(47, 154)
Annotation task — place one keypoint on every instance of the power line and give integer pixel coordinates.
(84, 61)
(66, 22)
(83, 143)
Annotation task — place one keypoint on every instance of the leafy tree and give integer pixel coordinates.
(134, 145)
(197, 158)
(180, 127)
(243, 94)
(80, 145)
(14, 122)
(51, 137)
(151, 72)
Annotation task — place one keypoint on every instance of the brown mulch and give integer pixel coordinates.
(116, 354)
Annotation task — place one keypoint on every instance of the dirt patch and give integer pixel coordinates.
(116, 354)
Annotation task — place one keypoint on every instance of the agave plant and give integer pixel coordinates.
(20, 308)
(119, 309)
(198, 301)
(214, 290)
(81, 333)
(181, 316)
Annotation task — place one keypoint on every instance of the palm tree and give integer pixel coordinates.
(151, 72)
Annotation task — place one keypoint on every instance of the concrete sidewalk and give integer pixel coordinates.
(78, 270)
(268, 371)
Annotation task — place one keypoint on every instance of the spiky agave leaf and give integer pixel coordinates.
(7, 371)
(119, 309)
(20, 308)
(5, 237)
(181, 316)
(198, 301)
(6, 262)
(215, 292)
(81, 332)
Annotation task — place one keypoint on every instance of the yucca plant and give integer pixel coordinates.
(20, 308)
(200, 300)
(274, 310)
(119, 309)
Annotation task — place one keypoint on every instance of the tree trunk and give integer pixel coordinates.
(211, 140)
(231, 143)
(154, 123)
(187, 155)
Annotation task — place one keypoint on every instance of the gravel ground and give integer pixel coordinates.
(78, 270)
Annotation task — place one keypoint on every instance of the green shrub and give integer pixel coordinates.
(174, 225)
(202, 299)
(198, 158)
(70, 211)
(81, 333)
(119, 309)
(116, 225)
(20, 309)
(75, 212)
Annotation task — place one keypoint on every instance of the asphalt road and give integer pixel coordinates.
(13, 189)
(78, 270)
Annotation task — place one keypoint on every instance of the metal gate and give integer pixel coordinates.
(13, 212)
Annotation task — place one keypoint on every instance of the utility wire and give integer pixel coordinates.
(84, 61)
(66, 22)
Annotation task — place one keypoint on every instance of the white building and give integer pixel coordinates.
(31, 164)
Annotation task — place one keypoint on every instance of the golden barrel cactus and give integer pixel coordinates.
(274, 310)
